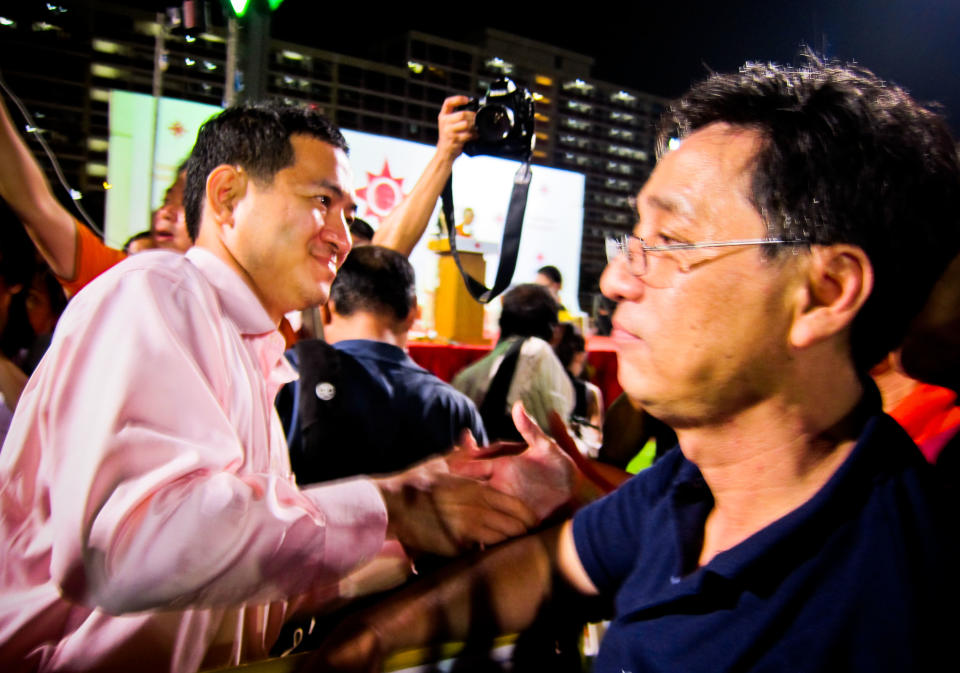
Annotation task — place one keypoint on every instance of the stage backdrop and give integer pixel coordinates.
(158, 133)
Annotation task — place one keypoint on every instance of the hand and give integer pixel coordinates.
(542, 476)
(455, 127)
(431, 510)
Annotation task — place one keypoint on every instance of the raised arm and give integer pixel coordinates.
(25, 188)
(404, 226)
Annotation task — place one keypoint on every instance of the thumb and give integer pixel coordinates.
(526, 426)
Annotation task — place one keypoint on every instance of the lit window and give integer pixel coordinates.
(106, 47)
(498, 64)
(578, 85)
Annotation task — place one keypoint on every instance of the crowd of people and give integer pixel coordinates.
(185, 478)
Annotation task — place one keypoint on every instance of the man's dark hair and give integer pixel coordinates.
(551, 272)
(528, 310)
(139, 236)
(845, 158)
(569, 344)
(375, 280)
(361, 229)
(255, 137)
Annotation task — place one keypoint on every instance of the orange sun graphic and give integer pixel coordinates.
(382, 193)
(177, 129)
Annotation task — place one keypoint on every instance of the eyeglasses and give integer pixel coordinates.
(634, 250)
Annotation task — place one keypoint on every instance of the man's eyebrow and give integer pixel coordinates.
(332, 186)
(672, 205)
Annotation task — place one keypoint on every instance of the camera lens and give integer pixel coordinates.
(494, 123)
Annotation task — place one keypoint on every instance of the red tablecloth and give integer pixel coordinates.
(445, 360)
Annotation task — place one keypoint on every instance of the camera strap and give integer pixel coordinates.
(509, 243)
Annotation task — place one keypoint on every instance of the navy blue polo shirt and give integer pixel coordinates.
(856, 579)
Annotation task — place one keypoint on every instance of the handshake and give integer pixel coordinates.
(477, 496)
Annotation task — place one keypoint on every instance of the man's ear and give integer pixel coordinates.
(411, 318)
(326, 312)
(839, 279)
(226, 185)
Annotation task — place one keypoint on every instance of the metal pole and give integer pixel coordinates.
(230, 85)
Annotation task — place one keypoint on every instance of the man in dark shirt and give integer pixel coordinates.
(364, 407)
(782, 248)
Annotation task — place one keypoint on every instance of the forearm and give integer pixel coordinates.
(499, 591)
(24, 187)
(404, 226)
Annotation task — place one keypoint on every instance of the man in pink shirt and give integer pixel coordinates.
(147, 509)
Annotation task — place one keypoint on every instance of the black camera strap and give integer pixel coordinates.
(509, 244)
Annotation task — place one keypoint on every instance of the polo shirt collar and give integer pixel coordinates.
(777, 545)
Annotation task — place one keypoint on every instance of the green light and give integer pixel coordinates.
(239, 7)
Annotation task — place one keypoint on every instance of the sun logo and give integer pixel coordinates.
(177, 129)
(382, 193)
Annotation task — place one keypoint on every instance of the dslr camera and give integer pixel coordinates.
(504, 121)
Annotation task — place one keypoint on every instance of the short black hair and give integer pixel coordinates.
(551, 272)
(361, 229)
(139, 236)
(255, 137)
(377, 280)
(570, 343)
(528, 310)
(845, 158)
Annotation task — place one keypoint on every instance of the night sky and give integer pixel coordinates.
(662, 47)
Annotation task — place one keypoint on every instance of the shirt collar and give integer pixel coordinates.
(237, 301)
(371, 348)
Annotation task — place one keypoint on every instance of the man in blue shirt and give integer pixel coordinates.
(364, 407)
(782, 248)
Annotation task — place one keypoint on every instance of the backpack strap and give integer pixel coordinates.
(310, 404)
(499, 424)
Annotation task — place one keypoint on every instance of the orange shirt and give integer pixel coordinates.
(93, 257)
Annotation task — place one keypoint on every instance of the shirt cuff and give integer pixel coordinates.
(356, 521)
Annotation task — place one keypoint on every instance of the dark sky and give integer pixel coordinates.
(661, 47)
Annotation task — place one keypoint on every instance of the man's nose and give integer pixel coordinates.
(336, 231)
(619, 284)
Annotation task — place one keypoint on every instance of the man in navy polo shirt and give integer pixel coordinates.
(363, 406)
(782, 247)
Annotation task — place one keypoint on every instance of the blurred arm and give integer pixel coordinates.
(24, 186)
(500, 591)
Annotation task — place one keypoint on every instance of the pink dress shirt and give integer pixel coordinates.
(148, 515)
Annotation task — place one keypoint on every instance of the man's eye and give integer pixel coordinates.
(324, 200)
(664, 241)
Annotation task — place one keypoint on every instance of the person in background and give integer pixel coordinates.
(362, 405)
(586, 420)
(521, 367)
(362, 232)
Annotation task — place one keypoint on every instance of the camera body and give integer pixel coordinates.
(504, 121)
